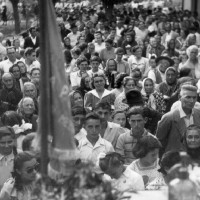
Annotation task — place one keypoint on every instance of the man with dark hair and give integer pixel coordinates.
(30, 59)
(127, 140)
(93, 144)
(32, 40)
(109, 130)
(78, 116)
(174, 123)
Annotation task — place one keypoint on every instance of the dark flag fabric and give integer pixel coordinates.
(55, 114)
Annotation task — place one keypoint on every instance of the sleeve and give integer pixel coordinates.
(163, 130)
(120, 145)
(110, 148)
(139, 183)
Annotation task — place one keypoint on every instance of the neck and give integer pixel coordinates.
(100, 90)
(92, 140)
(187, 111)
(28, 62)
(13, 60)
(104, 124)
(145, 163)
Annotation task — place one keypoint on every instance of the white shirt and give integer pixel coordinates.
(91, 73)
(98, 47)
(35, 64)
(33, 40)
(6, 167)
(5, 65)
(73, 38)
(189, 120)
(88, 152)
(129, 180)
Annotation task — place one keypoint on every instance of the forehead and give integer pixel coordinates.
(79, 116)
(84, 63)
(189, 93)
(148, 81)
(10, 50)
(93, 122)
(36, 71)
(76, 94)
(170, 71)
(193, 132)
(120, 115)
(27, 101)
(7, 77)
(102, 110)
(29, 164)
(28, 87)
(98, 78)
(136, 117)
(6, 138)
(111, 62)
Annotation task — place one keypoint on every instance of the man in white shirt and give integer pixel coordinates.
(93, 144)
(30, 59)
(6, 64)
(73, 36)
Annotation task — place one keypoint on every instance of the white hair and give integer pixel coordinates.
(190, 48)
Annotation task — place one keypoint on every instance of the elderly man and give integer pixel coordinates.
(6, 64)
(174, 123)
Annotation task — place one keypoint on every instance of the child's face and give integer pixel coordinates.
(120, 118)
(152, 63)
(6, 145)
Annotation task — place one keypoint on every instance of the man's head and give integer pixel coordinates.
(136, 120)
(78, 115)
(188, 97)
(82, 63)
(11, 53)
(8, 80)
(108, 44)
(95, 62)
(92, 126)
(35, 73)
(30, 90)
(119, 53)
(30, 54)
(103, 110)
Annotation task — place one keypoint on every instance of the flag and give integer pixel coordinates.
(55, 114)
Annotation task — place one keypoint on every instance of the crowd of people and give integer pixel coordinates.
(135, 83)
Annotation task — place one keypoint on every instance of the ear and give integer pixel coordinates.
(145, 120)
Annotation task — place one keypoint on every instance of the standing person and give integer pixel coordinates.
(98, 42)
(33, 40)
(23, 71)
(128, 140)
(99, 93)
(93, 144)
(108, 52)
(4, 15)
(174, 123)
(7, 153)
(24, 173)
(137, 61)
(95, 62)
(6, 64)
(75, 77)
(146, 151)
(9, 95)
(122, 65)
(109, 130)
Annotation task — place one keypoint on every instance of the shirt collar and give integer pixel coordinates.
(8, 157)
(182, 113)
(105, 93)
(99, 141)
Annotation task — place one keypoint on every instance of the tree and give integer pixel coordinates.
(16, 15)
(109, 5)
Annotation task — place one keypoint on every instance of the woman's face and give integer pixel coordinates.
(99, 83)
(29, 170)
(6, 145)
(151, 156)
(22, 68)
(16, 72)
(138, 53)
(193, 139)
(120, 118)
(193, 54)
(28, 106)
(87, 82)
(129, 85)
(148, 86)
(78, 100)
(67, 41)
(81, 40)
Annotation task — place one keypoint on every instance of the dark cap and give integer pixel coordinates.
(134, 98)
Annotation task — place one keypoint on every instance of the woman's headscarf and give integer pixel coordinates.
(143, 89)
(190, 48)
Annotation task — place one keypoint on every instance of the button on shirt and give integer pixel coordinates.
(88, 152)
(6, 167)
(189, 120)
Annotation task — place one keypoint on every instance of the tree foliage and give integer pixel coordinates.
(112, 2)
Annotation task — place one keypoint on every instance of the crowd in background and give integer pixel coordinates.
(135, 104)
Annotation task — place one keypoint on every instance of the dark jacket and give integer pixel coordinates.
(28, 42)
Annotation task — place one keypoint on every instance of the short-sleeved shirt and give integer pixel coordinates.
(125, 144)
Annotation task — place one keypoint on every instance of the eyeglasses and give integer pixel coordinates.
(36, 168)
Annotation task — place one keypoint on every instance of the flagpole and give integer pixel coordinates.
(44, 112)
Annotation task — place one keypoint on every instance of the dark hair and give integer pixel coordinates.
(103, 105)
(11, 68)
(185, 71)
(81, 59)
(33, 69)
(126, 79)
(111, 160)
(135, 110)
(29, 51)
(11, 118)
(135, 48)
(145, 145)
(119, 50)
(92, 115)
(168, 160)
(78, 110)
(68, 56)
(110, 41)
(119, 79)
(37, 51)
(95, 58)
(19, 160)
(83, 46)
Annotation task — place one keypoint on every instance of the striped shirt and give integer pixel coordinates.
(125, 144)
